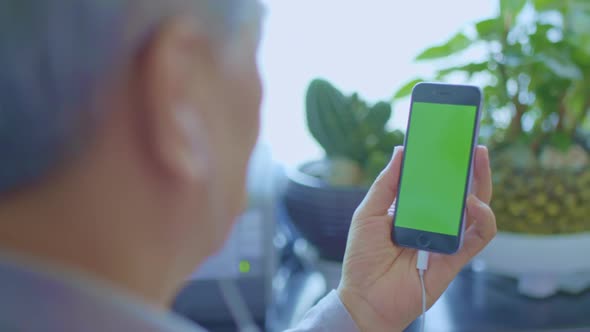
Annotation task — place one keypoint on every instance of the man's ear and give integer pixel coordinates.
(171, 112)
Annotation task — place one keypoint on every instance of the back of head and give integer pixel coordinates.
(125, 128)
(53, 57)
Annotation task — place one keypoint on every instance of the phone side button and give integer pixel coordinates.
(423, 241)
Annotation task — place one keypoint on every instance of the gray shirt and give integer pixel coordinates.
(37, 298)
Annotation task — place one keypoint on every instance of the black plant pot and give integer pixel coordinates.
(321, 213)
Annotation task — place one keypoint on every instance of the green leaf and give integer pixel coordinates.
(378, 116)
(578, 20)
(579, 5)
(561, 141)
(406, 89)
(560, 66)
(576, 99)
(546, 5)
(490, 29)
(539, 41)
(458, 43)
(470, 69)
(562, 6)
(580, 44)
(511, 8)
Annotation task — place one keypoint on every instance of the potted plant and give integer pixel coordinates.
(322, 195)
(536, 76)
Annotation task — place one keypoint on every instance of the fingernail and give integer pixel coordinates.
(487, 152)
(396, 150)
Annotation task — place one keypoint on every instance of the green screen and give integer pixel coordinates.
(436, 165)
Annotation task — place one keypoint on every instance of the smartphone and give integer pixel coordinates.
(437, 167)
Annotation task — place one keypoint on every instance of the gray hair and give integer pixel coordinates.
(53, 55)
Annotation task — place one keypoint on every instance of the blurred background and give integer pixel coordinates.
(367, 46)
(361, 59)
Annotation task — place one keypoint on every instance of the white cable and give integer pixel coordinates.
(237, 306)
(422, 266)
(423, 320)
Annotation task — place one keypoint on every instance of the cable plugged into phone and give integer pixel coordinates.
(422, 266)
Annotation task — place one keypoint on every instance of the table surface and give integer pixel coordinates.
(478, 301)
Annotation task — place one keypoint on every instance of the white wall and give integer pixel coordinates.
(360, 45)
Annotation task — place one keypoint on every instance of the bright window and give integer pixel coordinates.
(359, 45)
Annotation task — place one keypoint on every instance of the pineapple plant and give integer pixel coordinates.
(536, 74)
(353, 134)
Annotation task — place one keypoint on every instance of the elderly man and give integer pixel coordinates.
(125, 131)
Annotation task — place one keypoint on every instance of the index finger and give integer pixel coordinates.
(482, 182)
(383, 191)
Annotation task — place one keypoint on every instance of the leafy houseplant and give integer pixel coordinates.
(536, 74)
(352, 133)
(321, 195)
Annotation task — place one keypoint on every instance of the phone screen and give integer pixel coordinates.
(435, 174)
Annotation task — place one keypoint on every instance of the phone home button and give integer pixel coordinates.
(423, 241)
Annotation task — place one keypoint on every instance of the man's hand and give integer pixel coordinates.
(380, 285)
